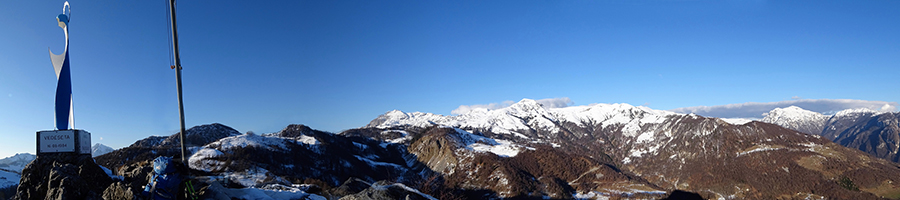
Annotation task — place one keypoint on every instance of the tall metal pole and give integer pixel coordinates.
(178, 77)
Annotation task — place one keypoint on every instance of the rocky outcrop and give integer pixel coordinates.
(435, 148)
(383, 190)
(119, 190)
(62, 176)
(349, 187)
(536, 172)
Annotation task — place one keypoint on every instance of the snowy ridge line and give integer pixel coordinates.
(527, 114)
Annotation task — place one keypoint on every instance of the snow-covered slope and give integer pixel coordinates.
(797, 118)
(100, 149)
(11, 168)
(874, 132)
(528, 116)
(737, 121)
(17, 162)
(8, 179)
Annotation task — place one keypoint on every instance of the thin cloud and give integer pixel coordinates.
(756, 109)
(546, 103)
(556, 102)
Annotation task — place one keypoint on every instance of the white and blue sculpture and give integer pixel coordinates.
(64, 108)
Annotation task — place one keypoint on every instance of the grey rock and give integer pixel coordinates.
(62, 176)
(383, 190)
(120, 191)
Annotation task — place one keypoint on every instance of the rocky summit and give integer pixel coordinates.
(63, 176)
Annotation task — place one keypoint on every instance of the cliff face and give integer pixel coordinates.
(62, 176)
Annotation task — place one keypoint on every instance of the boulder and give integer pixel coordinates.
(62, 176)
(136, 175)
(383, 190)
(351, 186)
(119, 190)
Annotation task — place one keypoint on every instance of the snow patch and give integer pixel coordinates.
(407, 188)
(736, 121)
(503, 148)
(376, 163)
(253, 177)
(645, 137)
(249, 140)
(110, 174)
(759, 148)
(204, 160)
(360, 145)
(309, 140)
(269, 192)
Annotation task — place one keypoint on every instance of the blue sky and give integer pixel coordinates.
(335, 65)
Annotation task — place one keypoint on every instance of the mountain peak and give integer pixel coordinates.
(202, 135)
(792, 112)
(796, 118)
(526, 107)
(100, 149)
(527, 101)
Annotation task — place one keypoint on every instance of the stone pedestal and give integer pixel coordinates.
(73, 141)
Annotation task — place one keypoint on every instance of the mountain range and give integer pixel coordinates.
(682, 151)
(876, 133)
(529, 151)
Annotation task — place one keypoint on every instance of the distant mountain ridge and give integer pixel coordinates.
(873, 132)
(16, 162)
(100, 149)
(11, 168)
(797, 118)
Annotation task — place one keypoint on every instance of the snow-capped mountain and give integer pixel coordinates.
(100, 149)
(11, 168)
(16, 162)
(796, 118)
(840, 121)
(717, 158)
(527, 118)
(874, 132)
